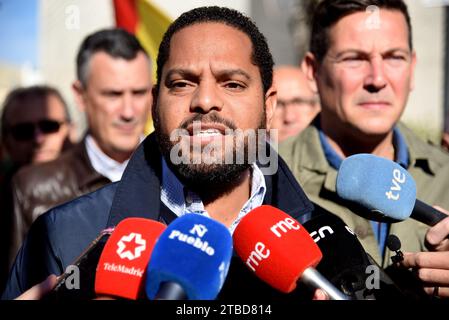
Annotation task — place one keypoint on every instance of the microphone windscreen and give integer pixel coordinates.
(275, 246)
(378, 184)
(344, 259)
(123, 262)
(393, 243)
(193, 252)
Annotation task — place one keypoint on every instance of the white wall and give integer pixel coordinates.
(63, 26)
(174, 8)
(425, 108)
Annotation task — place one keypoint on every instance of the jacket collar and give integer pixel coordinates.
(310, 154)
(86, 174)
(419, 155)
(138, 192)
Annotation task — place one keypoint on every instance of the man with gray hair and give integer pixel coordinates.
(114, 90)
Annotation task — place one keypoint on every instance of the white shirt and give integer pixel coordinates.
(103, 164)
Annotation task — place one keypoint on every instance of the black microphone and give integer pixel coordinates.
(345, 262)
(83, 271)
(427, 214)
(394, 244)
(408, 281)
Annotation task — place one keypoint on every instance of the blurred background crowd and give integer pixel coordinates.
(47, 109)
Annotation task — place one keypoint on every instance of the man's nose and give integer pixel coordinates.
(375, 79)
(39, 136)
(127, 109)
(291, 113)
(206, 98)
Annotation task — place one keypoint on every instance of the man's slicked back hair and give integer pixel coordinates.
(329, 12)
(115, 42)
(261, 56)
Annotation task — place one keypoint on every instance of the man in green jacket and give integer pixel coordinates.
(362, 66)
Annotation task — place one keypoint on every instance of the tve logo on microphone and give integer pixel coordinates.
(398, 180)
(131, 246)
(198, 231)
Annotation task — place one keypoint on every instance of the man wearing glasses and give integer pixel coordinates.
(113, 88)
(297, 105)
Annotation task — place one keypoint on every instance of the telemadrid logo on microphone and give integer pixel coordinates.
(131, 246)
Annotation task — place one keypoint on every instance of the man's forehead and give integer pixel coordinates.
(115, 72)
(357, 30)
(212, 43)
(208, 27)
(213, 34)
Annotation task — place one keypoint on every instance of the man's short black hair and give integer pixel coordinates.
(261, 55)
(329, 12)
(116, 42)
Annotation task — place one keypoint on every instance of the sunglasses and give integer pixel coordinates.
(26, 131)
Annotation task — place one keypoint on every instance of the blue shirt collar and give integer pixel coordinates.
(181, 201)
(399, 143)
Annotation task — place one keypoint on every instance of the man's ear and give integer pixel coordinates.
(310, 68)
(270, 105)
(78, 92)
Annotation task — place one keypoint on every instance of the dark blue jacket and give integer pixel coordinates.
(60, 235)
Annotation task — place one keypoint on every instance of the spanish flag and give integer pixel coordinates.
(148, 23)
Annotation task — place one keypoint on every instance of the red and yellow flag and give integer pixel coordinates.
(148, 23)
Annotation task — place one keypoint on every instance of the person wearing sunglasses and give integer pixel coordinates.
(113, 89)
(35, 128)
(35, 125)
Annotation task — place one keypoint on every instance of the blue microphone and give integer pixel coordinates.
(383, 187)
(190, 260)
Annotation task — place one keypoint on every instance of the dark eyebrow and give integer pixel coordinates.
(366, 54)
(111, 91)
(233, 72)
(402, 50)
(351, 51)
(185, 73)
(141, 90)
(182, 72)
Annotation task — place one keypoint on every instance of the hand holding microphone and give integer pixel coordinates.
(437, 236)
(388, 191)
(433, 267)
(114, 263)
(38, 291)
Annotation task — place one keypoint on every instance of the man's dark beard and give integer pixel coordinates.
(212, 180)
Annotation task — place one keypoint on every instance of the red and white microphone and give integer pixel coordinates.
(280, 251)
(123, 262)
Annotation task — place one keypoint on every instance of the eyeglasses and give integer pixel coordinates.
(297, 102)
(26, 131)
